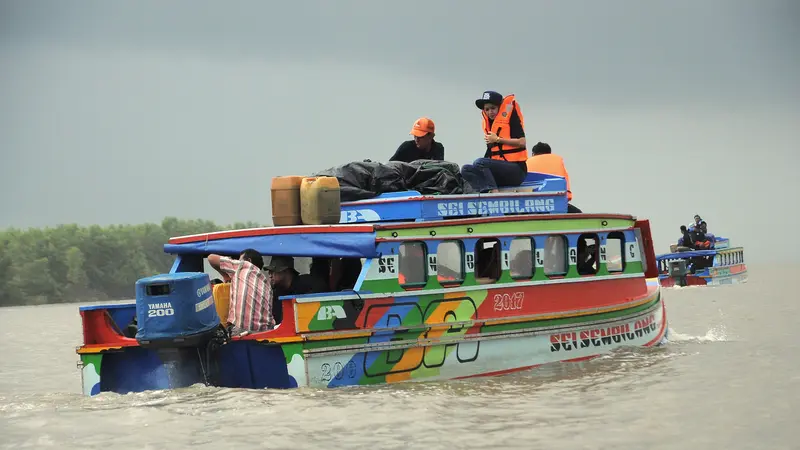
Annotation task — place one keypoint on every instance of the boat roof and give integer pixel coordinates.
(694, 253)
(335, 241)
(684, 255)
(539, 197)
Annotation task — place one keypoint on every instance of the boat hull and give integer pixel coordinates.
(489, 355)
(530, 290)
(715, 276)
(385, 357)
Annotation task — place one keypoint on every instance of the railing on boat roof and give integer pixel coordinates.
(538, 194)
(698, 253)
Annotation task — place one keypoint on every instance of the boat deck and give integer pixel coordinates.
(538, 194)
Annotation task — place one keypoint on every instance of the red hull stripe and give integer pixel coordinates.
(559, 298)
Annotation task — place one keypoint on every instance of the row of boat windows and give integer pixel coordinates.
(729, 259)
(450, 262)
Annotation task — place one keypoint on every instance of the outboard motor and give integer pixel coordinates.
(177, 320)
(678, 271)
(175, 310)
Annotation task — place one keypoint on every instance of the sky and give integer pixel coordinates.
(127, 112)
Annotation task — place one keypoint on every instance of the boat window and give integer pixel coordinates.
(411, 270)
(487, 260)
(450, 262)
(615, 249)
(588, 254)
(555, 255)
(520, 254)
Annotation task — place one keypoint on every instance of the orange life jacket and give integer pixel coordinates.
(552, 165)
(501, 127)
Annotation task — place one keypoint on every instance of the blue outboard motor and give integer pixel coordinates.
(175, 310)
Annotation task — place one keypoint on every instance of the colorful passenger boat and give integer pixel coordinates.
(718, 266)
(450, 287)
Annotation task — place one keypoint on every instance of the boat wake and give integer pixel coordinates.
(716, 334)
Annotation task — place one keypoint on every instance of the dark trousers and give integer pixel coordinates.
(485, 174)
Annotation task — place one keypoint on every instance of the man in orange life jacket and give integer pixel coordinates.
(422, 146)
(544, 161)
(503, 164)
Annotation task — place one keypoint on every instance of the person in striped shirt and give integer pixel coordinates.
(251, 291)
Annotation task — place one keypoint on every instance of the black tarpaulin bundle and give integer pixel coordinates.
(360, 180)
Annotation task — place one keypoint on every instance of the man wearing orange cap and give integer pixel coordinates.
(422, 146)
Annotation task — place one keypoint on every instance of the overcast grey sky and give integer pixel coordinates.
(125, 112)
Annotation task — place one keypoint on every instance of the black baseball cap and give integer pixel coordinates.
(489, 97)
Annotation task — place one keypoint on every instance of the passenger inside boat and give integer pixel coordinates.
(288, 281)
(587, 256)
(320, 269)
(487, 261)
(504, 162)
(344, 273)
(411, 272)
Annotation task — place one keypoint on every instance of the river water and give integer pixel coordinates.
(728, 379)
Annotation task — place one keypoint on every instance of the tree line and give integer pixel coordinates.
(70, 263)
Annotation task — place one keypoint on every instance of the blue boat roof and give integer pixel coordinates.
(684, 255)
(354, 236)
(333, 241)
(538, 194)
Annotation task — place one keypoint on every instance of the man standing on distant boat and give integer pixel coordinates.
(251, 291)
(544, 161)
(422, 146)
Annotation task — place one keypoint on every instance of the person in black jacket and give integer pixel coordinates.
(422, 146)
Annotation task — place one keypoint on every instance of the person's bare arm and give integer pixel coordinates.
(213, 261)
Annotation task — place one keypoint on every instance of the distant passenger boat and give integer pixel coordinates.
(686, 267)
(492, 284)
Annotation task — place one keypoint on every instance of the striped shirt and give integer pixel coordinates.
(251, 295)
